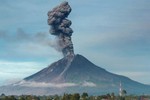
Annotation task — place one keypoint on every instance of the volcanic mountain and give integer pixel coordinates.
(73, 74)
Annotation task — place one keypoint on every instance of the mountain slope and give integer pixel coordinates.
(74, 74)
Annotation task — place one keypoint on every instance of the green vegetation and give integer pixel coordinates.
(75, 96)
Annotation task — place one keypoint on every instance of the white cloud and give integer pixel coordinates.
(10, 71)
(54, 85)
(43, 84)
(88, 84)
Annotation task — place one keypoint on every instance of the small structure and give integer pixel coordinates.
(120, 89)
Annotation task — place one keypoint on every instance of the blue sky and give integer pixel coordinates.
(113, 34)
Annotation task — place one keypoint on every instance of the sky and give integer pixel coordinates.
(113, 34)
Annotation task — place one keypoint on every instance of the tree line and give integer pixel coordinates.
(75, 96)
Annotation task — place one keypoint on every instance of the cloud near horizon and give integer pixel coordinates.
(11, 72)
(53, 85)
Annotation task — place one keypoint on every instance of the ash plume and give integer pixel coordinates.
(60, 27)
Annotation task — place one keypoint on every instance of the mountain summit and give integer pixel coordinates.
(69, 69)
(71, 74)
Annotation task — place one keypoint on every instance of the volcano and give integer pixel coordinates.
(74, 74)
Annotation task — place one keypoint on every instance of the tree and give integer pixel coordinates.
(12, 98)
(124, 92)
(2, 94)
(28, 97)
(108, 96)
(113, 96)
(21, 98)
(6, 98)
(84, 96)
(93, 98)
(56, 97)
(75, 96)
(67, 97)
(99, 97)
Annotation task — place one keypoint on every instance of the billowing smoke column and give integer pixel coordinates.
(60, 27)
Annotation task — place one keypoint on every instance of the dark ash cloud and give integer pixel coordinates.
(60, 27)
(26, 45)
